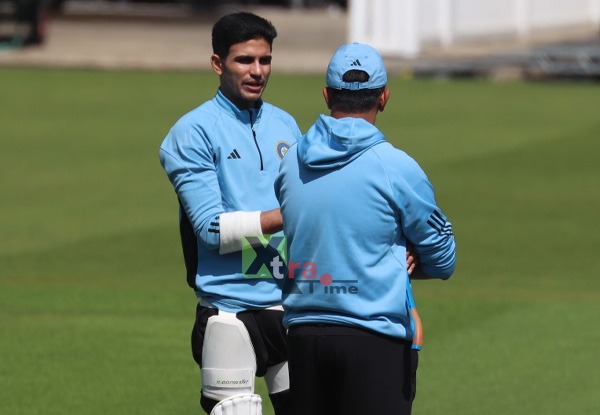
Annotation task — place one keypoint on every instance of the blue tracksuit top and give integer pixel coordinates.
(223, 159)
(351, 203)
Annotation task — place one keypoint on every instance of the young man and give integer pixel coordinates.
(222, 159)
(352, 204)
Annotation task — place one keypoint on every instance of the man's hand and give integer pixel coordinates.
(271, 221)
(412, 265)
(412, 261)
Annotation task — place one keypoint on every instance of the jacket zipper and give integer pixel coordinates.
(255, 140)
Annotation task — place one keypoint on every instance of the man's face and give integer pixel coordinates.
(245, 71)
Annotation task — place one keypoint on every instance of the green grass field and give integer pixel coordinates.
(95, 313)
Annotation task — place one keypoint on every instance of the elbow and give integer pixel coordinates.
(448, 265)
(442, 272)
(442, 266)
(447, 272)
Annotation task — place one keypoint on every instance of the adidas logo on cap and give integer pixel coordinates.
(356, 56)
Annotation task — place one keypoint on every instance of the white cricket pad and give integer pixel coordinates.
(228, 358)
(245, 404)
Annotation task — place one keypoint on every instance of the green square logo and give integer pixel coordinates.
(264, 256)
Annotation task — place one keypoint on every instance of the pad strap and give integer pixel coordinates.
(277, 378)
(227, 380)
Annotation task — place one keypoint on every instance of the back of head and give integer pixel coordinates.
(356, 77)
(240, 27)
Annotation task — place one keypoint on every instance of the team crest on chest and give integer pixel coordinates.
(281, 148)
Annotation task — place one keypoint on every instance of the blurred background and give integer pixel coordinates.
(496, 38)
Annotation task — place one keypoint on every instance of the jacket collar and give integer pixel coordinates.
(251, 115)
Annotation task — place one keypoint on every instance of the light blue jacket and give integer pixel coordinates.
(223, 159)
(351, 203)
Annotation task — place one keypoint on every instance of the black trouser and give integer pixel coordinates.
(337, 370)
(267, 334)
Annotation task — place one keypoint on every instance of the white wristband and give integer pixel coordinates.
(234, 226)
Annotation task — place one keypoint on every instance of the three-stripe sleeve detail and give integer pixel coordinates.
(214, 226)
(438, 222)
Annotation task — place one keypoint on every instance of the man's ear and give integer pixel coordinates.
(326, 96)
(216, 64)
(383, 99)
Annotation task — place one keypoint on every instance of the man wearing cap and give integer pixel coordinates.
(352, 205)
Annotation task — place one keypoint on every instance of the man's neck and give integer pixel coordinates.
(369, 116)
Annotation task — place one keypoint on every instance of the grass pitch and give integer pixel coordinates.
(94, 310)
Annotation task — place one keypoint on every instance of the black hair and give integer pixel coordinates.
(354, 101)
(240, 27)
